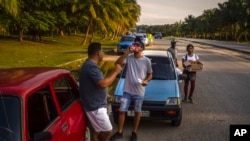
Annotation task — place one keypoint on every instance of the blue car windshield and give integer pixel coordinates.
(10, 118)
(158, 33)
(130, 39)
(163, 68)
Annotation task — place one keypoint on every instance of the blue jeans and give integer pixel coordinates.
(126, 100)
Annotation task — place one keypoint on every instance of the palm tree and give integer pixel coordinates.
(108, 15)
(190, 24)
(128, 16)
(96, 13)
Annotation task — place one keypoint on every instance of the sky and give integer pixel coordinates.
(160, 12)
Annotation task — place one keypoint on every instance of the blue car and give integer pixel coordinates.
(125, 42)
(158, 35)
(162, 99)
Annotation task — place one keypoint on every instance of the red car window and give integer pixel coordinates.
(41, 111)
(64, 92)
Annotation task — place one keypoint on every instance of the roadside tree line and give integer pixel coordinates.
(106, 17)
(230, 21)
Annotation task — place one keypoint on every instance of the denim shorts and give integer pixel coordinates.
(127, 98)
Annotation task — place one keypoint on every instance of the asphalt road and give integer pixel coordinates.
(221, 98)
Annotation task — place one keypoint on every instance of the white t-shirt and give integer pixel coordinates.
(137, 69)
(195, 57)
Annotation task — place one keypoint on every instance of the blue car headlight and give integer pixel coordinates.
(173, 101)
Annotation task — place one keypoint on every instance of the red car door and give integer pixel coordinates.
(43, 115)
(72, 117)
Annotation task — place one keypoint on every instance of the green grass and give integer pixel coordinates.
(50, 51)
(65, 52)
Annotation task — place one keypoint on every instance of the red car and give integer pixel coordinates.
(39, 104)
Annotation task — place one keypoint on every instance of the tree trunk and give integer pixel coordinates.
(115, 34)
(87, 33)
(92, 37)
(61, 32)
(105, 36)
(20, 35)
(69, 30)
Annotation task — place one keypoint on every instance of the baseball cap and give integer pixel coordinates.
(173, 40)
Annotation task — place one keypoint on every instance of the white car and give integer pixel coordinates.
(146, 39)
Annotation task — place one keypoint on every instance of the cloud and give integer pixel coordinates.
(155, 12)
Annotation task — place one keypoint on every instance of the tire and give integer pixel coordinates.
(177, 122)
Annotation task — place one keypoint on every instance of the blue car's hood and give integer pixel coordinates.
(157, 90)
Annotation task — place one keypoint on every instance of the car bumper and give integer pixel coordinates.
(170, 112)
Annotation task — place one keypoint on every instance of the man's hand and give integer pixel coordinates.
(144, 83)
(128, 51)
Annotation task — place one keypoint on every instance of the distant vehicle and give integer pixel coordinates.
(38, 104)
(146, 39)
(150, 39)
(162, 99)
(143, 38)
(125, 42)
(158, 35)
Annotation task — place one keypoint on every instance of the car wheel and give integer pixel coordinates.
(177, 122)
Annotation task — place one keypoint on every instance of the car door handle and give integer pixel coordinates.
(64, 126)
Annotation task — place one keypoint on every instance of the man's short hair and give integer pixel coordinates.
(93, 48)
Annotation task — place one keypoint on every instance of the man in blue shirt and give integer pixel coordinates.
(93, 92)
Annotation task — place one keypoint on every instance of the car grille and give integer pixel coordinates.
(147, 103)
(157, 113)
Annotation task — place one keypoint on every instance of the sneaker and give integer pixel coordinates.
(184, 100)
(133, 137)
(190, 100)
(117, 135)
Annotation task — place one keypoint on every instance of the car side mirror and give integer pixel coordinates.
(42, 136)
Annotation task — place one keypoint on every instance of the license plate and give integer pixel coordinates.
(143, 113)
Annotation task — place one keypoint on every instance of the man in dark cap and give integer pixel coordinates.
(173, 51)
